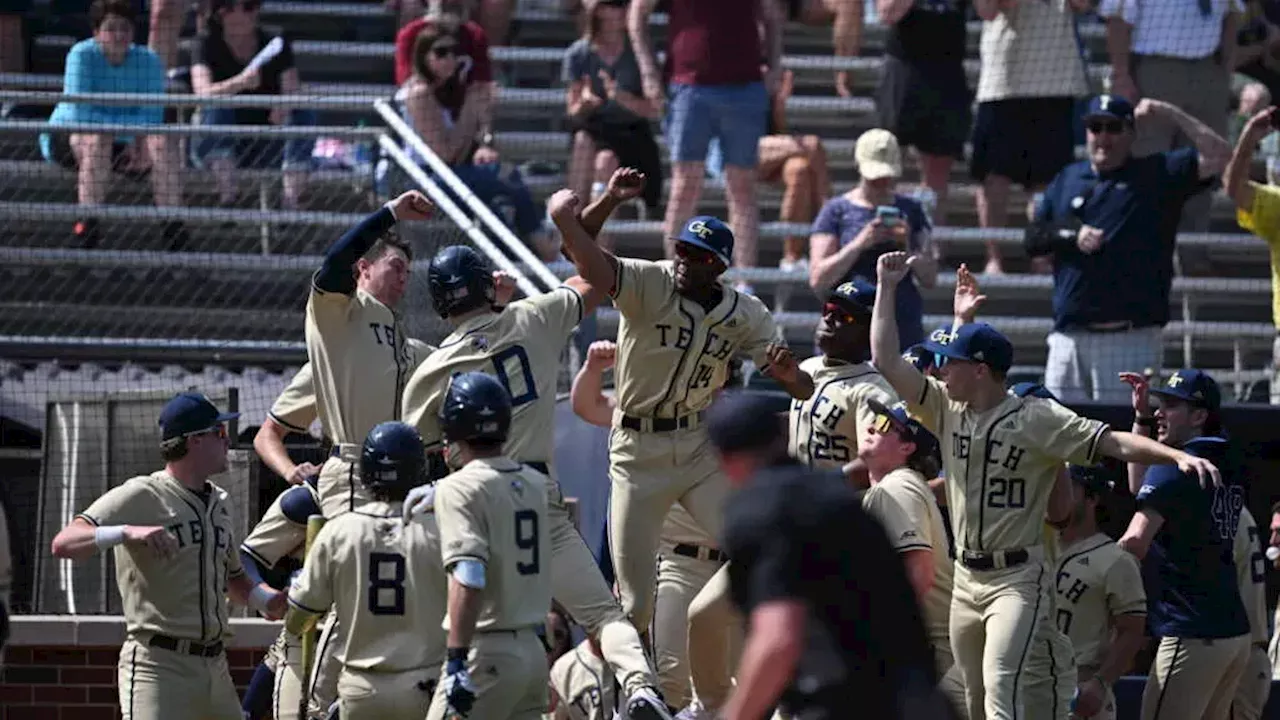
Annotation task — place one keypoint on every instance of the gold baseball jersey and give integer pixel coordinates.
(1251, 574)
(184, 596)
(281, 533)
(902, 532)
(295, 408)
(494, 510)
(520, 346)
(383, 577)
(584, 684)
(680, 528)
(827, 428)
(1096, 581)
(1001, 464)
(359, 362)
(673, 355)
(911, 493)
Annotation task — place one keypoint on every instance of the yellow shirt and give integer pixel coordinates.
(1263, 220)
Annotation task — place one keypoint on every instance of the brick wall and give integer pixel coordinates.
(79, 683)
(65, 668)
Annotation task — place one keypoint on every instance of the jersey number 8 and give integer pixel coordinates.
(386, 583)
(527, 540)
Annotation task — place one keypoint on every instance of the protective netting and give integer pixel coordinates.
(142, 266)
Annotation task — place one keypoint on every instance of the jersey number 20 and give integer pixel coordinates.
(527, 540)
(386, 583)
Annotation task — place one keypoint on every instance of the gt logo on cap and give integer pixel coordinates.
(699, 228)
(1175, 381)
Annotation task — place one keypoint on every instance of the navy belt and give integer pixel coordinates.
(186, 647)
(699, 553)
(993, 560)
(540, 467)
(631, 422)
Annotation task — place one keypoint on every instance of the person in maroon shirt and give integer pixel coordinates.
(474, 67)
(716, 90)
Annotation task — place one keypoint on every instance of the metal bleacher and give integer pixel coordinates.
(345, 50)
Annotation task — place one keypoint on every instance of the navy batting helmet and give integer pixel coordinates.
(460, 279)
(393, 458)
(476, 407)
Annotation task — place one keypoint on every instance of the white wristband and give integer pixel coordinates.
(108, 537)
(258, 598)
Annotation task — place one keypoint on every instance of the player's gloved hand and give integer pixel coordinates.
(1088, 699)
(421, 499)
(459, 693)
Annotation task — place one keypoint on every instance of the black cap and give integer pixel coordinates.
(189, 413)
(1091, 478)
(744, 420)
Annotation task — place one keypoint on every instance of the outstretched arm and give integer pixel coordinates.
(891, 268)
(596, 266)
(587, 397)
(337, 271)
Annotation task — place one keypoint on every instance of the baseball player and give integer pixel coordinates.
(1273, 557)
(175, 556)
(292, 412)
(899, 454)
(521, 345)
(680, 327)
(356, 344)
(1002, 455)
(687, 559)
(383, 578)
(1194, 604)
(493, 536)
(583, 684)
(1251, 578)
(1101, 604)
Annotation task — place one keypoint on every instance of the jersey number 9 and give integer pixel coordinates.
(386, 583)
(527, 540)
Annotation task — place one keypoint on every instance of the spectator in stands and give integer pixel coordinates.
(714, 51)
(1179, 52)
(799, 162)
(109, 62)
(238, 57)
(492, 16)
(13, 40)
(1254, 97)
(923, 98)
(846, 20)
(167, 18)
(1110, 225)
(853, 230)
(474, 69)
(1258, 211)
(1032, 73)
(450, 135)
(608, 112)
(1258, 44)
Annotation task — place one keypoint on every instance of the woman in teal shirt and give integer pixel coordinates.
(109, 62)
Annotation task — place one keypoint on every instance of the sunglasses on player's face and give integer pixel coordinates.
(1107, 127)
(695, 255)
(220, 430)
(838, 313)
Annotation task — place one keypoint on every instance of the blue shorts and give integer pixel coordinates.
(735, 114)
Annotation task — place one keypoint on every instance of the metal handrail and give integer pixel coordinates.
(443, 172)
(450, 208)
(276, 131)
(317, 102)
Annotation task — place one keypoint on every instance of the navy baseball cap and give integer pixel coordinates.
(189, 413)
(900, 420)
(1030, 389)
(856, 294)
(710, 234)
(920, 357)
(975, 342)
(1193, 386)
(1110, 106)
(740, 420)
(1089, 478)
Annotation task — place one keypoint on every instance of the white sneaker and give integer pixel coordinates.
(646, 704)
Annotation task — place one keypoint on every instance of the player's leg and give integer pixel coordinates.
(968, 639)
(1015, 614)
(643, 490)
(323, 690)
(156, 684)
(336, 485)
(286, 697)
(1184, 677)
(712, 623)
(1254, 688)
(224, 702)
(576, 583)
(500, 672)
(1233, 663)
(950, 681)
(680, 579)
(1050, 675)
(531, 703)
